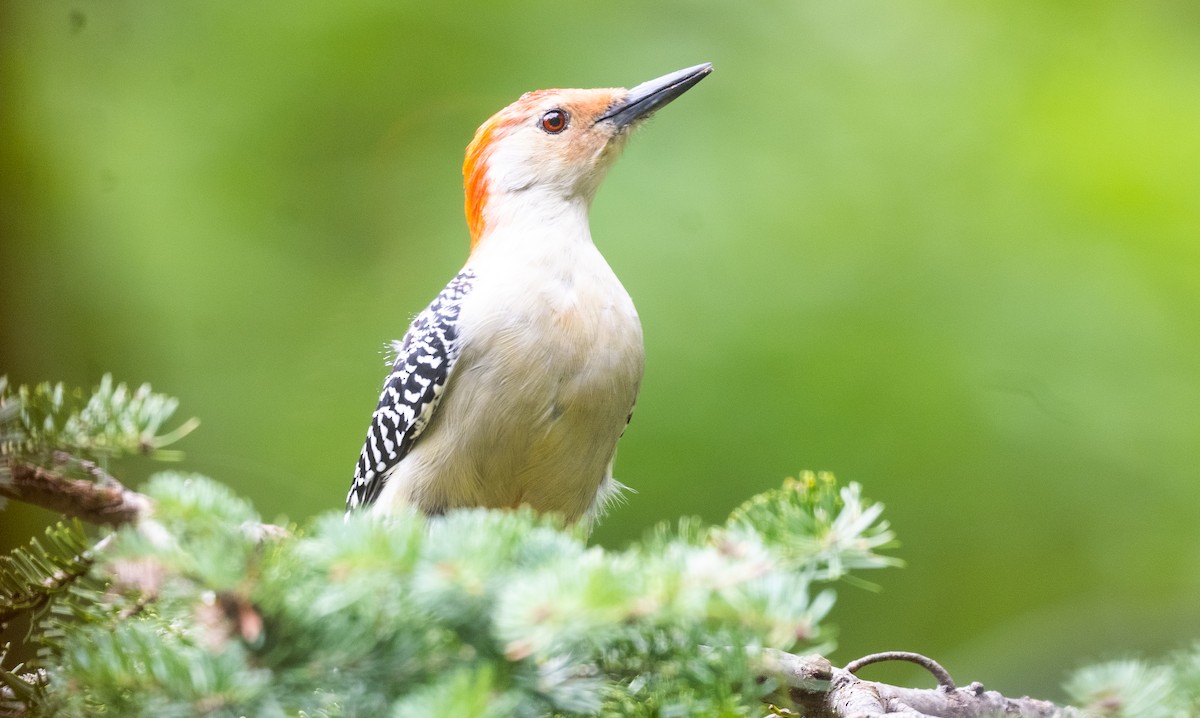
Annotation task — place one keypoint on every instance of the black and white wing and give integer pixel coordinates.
(424, 359)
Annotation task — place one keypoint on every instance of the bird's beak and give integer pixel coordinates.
(647, 97)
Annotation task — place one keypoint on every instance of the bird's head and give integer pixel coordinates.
(558, 144)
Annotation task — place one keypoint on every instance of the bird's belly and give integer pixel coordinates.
(532, 410)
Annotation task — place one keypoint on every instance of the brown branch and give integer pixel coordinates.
(812, 687)
(107, 502)
(941, 674)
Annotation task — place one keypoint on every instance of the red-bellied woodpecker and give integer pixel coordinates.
(516, 382)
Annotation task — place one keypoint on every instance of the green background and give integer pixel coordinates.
(951, 252)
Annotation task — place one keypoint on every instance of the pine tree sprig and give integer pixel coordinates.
(31, 577)
(818, 526)
(1138, 688)
(112, 420)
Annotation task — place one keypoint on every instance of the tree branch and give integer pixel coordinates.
(105, 501)
(812, 687)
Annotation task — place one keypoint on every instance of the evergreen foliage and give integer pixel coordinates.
(1140, 689)
(37, 423)
(199, 609)
(209, 613)
(31, 579)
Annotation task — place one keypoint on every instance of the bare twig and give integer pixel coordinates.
(106, 502)
(812, 687)
(941, 674)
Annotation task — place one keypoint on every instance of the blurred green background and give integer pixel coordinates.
(949, 251)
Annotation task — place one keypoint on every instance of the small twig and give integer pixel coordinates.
(107, 502)
(810, 686)
(941, 674)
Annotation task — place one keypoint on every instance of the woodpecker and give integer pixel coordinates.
(513, 386)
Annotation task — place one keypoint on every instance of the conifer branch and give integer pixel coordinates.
(105, 502)
(18, 690)
(53, 441)
(33, 577)
(207, 609)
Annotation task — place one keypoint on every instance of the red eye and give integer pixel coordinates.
(555, 121)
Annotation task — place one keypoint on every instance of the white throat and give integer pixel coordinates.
(533, 222)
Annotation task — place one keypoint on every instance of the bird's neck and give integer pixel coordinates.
(534, 223)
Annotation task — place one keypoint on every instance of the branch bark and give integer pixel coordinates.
(105, 502)
(812, 687)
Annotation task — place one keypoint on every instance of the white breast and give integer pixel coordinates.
(551, 361)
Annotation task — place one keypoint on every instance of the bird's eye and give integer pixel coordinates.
(555, 121)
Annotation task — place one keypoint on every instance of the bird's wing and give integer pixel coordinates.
(424, 359)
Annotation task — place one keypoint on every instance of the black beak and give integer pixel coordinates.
(647, 97)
